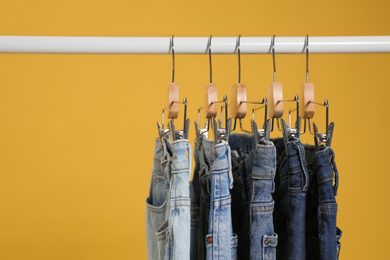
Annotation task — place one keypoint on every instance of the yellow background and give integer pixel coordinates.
(77, 131)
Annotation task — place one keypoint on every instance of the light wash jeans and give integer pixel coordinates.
(168, 205)
(220, 241)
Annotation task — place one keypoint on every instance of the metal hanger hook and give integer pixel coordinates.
(307, 57)
(173, 59)
(209, 50)
(163, 116)
(273, 55)
(239, 57)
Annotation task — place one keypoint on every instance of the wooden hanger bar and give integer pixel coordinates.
(238, 107)
(307, 107)
(274, 97)
(173, 100)
(210, 100)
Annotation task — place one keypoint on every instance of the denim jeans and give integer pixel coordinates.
(156, 203)
(211, 183)
(220, 242)
(196, 231)
(168, 218)
(254, 168)
(292, 180)
(323, 234)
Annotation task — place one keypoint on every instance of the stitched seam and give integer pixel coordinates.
(272, 147)
(268, 210)
(333, 205)
(326, 179)
(176, 206)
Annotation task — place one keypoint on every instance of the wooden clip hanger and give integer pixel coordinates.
(238, 105)
(211, 108)
(173, 104)
(307, 108)
(275, 93)
(211, 90)
(276, 108)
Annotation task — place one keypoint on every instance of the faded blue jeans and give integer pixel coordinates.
(220, 241)
(211, 183)
(254, 167)
(292, 181)
(168, 205)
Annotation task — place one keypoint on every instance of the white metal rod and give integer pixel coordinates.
(192, 45)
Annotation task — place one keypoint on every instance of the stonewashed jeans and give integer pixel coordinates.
(168, 217)
(254, 167)
(211, 183)
(221, 244)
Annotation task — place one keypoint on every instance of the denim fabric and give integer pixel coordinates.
(252, 203)
(338, 236)
(241, 146)
(322, 235)
(195, 219)
(312, 238)
(173, 236)
(327, 208)
(292, 182)
(195, 252)
(220, 242)
(203, 161)
(156, 203)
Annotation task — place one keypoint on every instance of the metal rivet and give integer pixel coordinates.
(266, 241)
(209, 240)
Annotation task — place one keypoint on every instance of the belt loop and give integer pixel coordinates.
(301, 154)
(336, 173)
(189, 158)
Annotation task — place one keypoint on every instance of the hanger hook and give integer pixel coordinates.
(163, 116)
(239, 57)
(307, 57)
(273, 54)
(209, 50)
(173, 59)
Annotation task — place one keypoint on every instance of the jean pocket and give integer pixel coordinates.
(338, 236)
(234, 243)
(162, 236)
(269, 246)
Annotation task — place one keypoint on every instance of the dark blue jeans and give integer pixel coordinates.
(200, 203)
(322, 233)
(254, 168)
(292, 181)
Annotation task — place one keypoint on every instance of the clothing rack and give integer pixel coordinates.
(192, 45)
